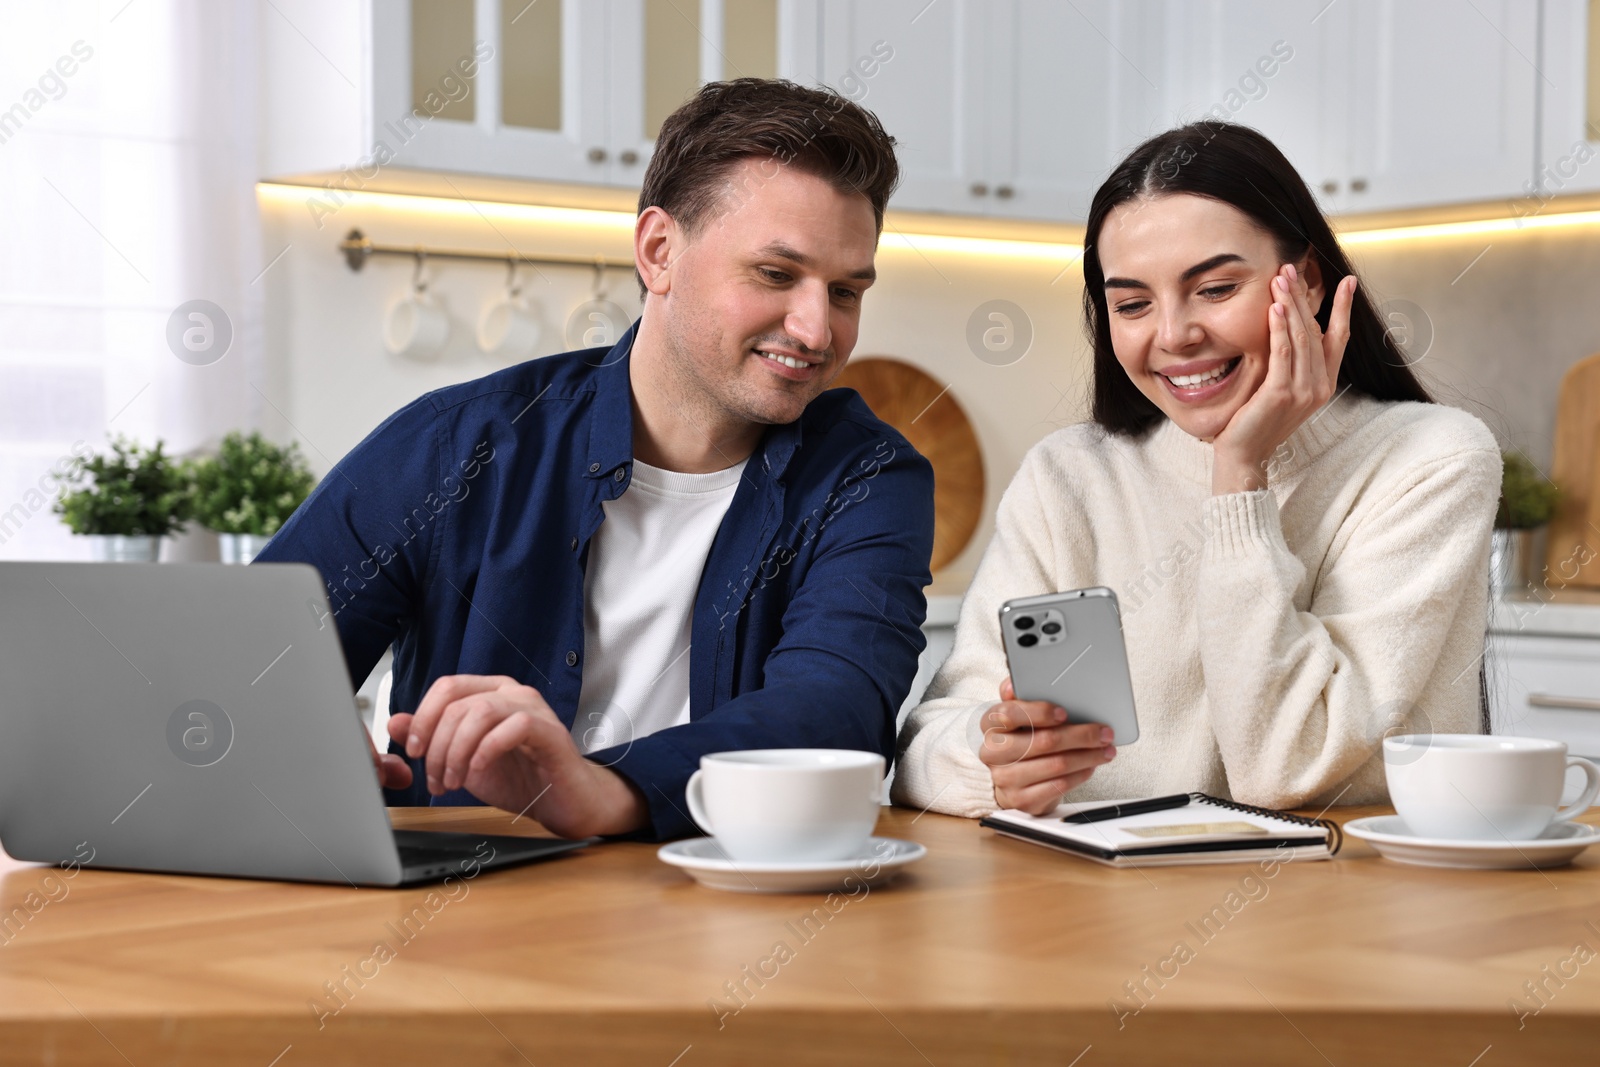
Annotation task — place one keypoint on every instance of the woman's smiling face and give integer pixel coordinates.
(1187, 289)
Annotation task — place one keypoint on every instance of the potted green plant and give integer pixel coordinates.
(1527, 502)
(247, 490)
(126, 501)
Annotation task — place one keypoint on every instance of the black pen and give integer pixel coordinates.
(1138, 807)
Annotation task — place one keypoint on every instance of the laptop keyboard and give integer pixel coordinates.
(440, 851)
(418, 847)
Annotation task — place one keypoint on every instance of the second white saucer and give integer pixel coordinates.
(1393, 840)
(877, 862)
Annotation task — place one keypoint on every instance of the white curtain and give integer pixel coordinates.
(128, 157)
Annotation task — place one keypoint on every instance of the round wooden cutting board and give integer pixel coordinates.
(923, 409)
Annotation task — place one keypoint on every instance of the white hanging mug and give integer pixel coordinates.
(418, 324)
(509, 328)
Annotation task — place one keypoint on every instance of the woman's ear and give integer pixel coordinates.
(1311, 270)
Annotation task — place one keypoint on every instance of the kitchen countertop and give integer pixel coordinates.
(1564, 614)
(942, 609)
(1569, 613)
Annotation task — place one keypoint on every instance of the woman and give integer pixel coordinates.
(1298, 536)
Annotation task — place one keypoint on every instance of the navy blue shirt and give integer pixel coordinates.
(458, 531)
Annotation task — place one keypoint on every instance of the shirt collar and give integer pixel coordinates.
(611, 427)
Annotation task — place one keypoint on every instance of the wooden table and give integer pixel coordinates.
(988, 951)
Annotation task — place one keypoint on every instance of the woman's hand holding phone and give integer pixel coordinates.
(1035, 755)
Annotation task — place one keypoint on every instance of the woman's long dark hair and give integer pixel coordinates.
(1237, 166)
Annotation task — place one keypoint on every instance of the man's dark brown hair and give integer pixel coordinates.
(815, 130)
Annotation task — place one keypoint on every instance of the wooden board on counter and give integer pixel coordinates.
(924, 410)
(1572, 554)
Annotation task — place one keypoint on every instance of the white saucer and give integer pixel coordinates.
(1556, 847)
(878, 862)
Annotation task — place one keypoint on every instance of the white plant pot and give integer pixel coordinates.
(241, 548)
(119, 548)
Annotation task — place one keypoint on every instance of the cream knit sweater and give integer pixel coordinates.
(1273, 637)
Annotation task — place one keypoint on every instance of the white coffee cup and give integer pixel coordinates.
(509, 328)
(417, 326)
(1475, 787)
(777, 805)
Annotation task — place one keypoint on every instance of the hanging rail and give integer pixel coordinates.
(358, 248)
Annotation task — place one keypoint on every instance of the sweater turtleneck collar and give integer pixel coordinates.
(1192, 457)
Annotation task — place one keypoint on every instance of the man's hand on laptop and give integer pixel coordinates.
(499, 740)
(393, 772)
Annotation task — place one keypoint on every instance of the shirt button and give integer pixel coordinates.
(621, 474)
(593, 467)
(574, 544)
(572, 659)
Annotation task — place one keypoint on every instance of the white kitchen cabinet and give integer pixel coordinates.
(915, 66)
(1011, 108)
(1542, 686)
(999, 107)
(1378, 104)
(575, 96)
(1569, 142)
(1064, 102)
(940, 628)
(1021, 107)
(1441, 101)
(558, 90)
(421, 48)
(1273, 65)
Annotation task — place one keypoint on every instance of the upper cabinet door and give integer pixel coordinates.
(1269, 64)
(562, 90)
(1442, 101)
(912, 63)
(1569, 125)
(1065, 99)
(663, 51)
(486, 87)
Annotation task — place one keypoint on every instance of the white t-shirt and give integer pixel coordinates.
(638, 602)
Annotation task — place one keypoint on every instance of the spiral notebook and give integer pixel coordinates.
(1206, 830)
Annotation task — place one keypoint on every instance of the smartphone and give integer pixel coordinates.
(1067, 648)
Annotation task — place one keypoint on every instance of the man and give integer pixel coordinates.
(596, 567)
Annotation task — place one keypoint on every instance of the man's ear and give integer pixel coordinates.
(656, 242)
(1311, 270)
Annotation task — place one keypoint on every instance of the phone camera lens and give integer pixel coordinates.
(1028, 640)
(1050, 628)
(1025, 622)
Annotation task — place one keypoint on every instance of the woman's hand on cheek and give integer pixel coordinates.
(1035, 755)
(1302, 374)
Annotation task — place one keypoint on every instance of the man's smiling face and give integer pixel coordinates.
(764, 299)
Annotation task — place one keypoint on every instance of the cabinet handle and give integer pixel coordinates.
(1358, 185)
(1572, 703)
(629, 157)
(979, 189)
(1330, 187)
(1005, 192)
(597, 155)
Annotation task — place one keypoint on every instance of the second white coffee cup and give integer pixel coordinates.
(1475, 787)
(788, 805)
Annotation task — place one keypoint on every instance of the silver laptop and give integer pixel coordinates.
(198, 718)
